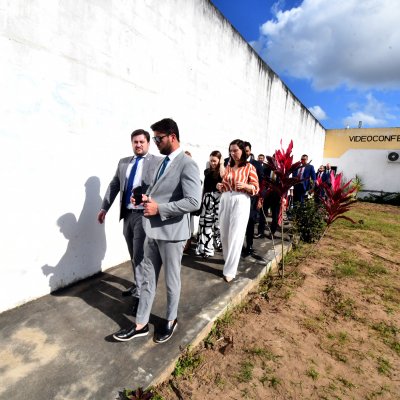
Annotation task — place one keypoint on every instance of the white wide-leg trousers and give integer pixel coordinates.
(234, 211)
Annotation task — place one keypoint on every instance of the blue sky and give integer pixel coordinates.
(341, 58)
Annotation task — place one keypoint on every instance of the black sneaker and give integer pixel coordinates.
(124, 335)
(259, 236)
(166, 332)
(129, 292)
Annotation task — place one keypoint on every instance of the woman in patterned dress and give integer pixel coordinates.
(209, 233)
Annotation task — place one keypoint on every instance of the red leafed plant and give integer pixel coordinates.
(138, 394)
(283, 167)
(336, 197)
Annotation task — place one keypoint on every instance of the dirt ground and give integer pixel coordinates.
(329, 330)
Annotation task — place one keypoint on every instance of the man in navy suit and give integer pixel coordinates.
(326, 176)
(306, 172)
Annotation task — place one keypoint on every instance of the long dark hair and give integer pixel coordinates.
(243, 159)
(216, 153)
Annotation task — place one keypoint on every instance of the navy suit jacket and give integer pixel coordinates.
(308, 174)
(326, 177)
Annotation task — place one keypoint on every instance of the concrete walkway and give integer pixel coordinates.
(60, 346)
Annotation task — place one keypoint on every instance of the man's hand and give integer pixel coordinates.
(150, 207)
(260, 203)
(101, 216)
(133, 201)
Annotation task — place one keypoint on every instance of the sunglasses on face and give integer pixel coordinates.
(158, 139)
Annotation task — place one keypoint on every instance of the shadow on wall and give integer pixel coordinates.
(86, 242)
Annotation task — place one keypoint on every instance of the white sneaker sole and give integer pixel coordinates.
(133, 337)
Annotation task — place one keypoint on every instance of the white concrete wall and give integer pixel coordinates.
(372, 166)
(76, 78)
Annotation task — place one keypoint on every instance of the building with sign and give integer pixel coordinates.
(373, 154)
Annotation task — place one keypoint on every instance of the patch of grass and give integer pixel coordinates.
(391, 295)
(314, 324)
(377, 393)
(343, 337)
(337, 355)
(245, 372)
(385, 330)
(375, 269)
(345, 382)
(272, 381)
(312, 373)
(157, 396)
(340, 337)
(345, 269)
(245, 393)
(219, 381)
(287, 294)
(342, 306)
(388, 334)
(221, 323)
(187, 363)
(351, 265)
(384, 366)
(266, 354)
(311, 325)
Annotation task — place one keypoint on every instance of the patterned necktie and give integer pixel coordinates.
(162, 168)
(128, 191)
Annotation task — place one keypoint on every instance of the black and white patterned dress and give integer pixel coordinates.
(209, 233)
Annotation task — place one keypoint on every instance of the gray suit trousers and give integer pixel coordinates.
(157, 253)
(135, 236)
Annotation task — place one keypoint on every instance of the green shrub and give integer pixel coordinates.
(308, 221)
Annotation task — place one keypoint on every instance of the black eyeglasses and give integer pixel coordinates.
(158, 139)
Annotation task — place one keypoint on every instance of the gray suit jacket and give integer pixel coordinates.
(117, 184)
(178, 193)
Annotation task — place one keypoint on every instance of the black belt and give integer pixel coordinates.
(132, 210)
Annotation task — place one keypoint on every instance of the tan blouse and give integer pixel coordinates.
(246, 174)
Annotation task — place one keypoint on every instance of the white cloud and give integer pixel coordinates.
(373, 113)
(318, 113)
(331, 43)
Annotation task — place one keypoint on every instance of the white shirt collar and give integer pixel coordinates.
(175, 153)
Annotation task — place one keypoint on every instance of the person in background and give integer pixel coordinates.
(305, 172)
(264, 165)
(249, 250)
(209, 232)
(240, 181)
(192, 215)
(319, 192)
(321, 171)
(268, 199)
(326, 177)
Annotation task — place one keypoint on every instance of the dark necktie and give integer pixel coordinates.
(162, 168)
(128, 191)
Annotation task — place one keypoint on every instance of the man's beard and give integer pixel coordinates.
(166, 150)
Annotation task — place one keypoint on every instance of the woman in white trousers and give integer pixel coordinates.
(239, 183)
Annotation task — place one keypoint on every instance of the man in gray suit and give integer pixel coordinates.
(174, 193)
(133, 175)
